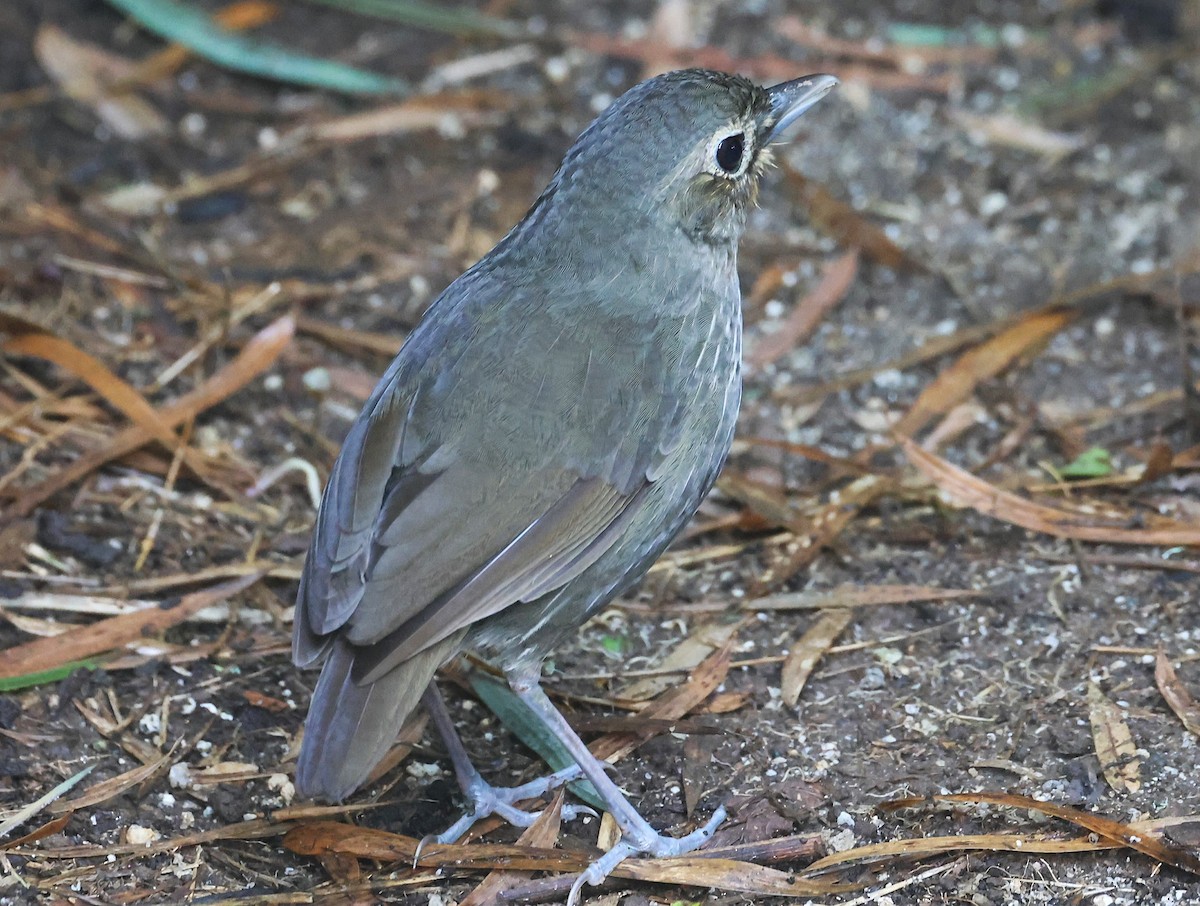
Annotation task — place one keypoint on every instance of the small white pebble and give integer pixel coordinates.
(141, 836)
(193, 124)
(150, 723)
(180, 775)
(489, 181)
(557, 69)
(422, 770)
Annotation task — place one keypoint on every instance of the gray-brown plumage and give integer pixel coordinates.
(550, 425)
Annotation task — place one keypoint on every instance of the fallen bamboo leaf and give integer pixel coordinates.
(1141, 837)
(1186, 708)
(964, 489)
(847, 226)
(1114, 743)
(1010, 131)
(805, 653)
(255, 357)
(23, 814)
(674, 704)
(761, 66)
(542, 833)
(118, 393)
(694, 870)
(813, 534)
(114, 786)
(254, 829)
(84, 72)
(927, 847)
(858, 596)
(51, 827)
(699, 644)
(958, 382)
(836, 280)
(113, 632)
(417, 114)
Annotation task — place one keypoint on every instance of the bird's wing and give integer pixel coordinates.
(454, 499)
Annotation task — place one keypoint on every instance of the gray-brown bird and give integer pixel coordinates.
(546, 430)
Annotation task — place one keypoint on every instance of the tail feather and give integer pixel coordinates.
(350, 727)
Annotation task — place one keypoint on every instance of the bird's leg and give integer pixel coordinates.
(486, 799)
(637, 836)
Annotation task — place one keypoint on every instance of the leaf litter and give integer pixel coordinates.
(77, 405)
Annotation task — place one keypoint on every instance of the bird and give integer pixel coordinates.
(549, 426)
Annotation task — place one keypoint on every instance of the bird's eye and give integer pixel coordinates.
(729, 152)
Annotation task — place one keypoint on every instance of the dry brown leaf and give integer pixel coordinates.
(1114, 743)
(1010, 131)
(925, 847)
(762, 66)
(542, 833)
(673, 704)
(804, 655)
(820, 530)
(84, 72)
(119, 394)
(114, 786)
(1186, 708)
(255, 357)
(858, 596)
(836, 280)
(349, 338)
(847, 226)
(473, 107)
(696, 870)
(958, 382)
(48, 829)
(1139, 837)
(700, 643)
(964, 489)
(85, 641)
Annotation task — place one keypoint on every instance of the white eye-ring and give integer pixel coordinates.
(730, 154)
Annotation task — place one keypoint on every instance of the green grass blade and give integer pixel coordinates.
(41, 677)
(524, 724)
(197, 32)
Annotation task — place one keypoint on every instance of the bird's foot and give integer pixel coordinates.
(641, 839)
(487, 800)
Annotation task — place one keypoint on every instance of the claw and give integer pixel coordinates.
(421, 844)
(487, 800)
(652, 844)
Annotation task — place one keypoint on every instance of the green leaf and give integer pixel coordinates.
(613, 644)
(41, 677)
(526, 726)
(186, 25)
(431, 16)
(1093, 463)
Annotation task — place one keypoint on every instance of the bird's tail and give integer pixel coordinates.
(350, 726)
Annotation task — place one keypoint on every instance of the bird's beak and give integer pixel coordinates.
(790, 99)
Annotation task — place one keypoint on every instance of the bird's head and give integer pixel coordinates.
(688, 146)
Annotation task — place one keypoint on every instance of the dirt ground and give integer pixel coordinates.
(979, 162)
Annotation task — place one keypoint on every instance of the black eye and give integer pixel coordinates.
(729, 152)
